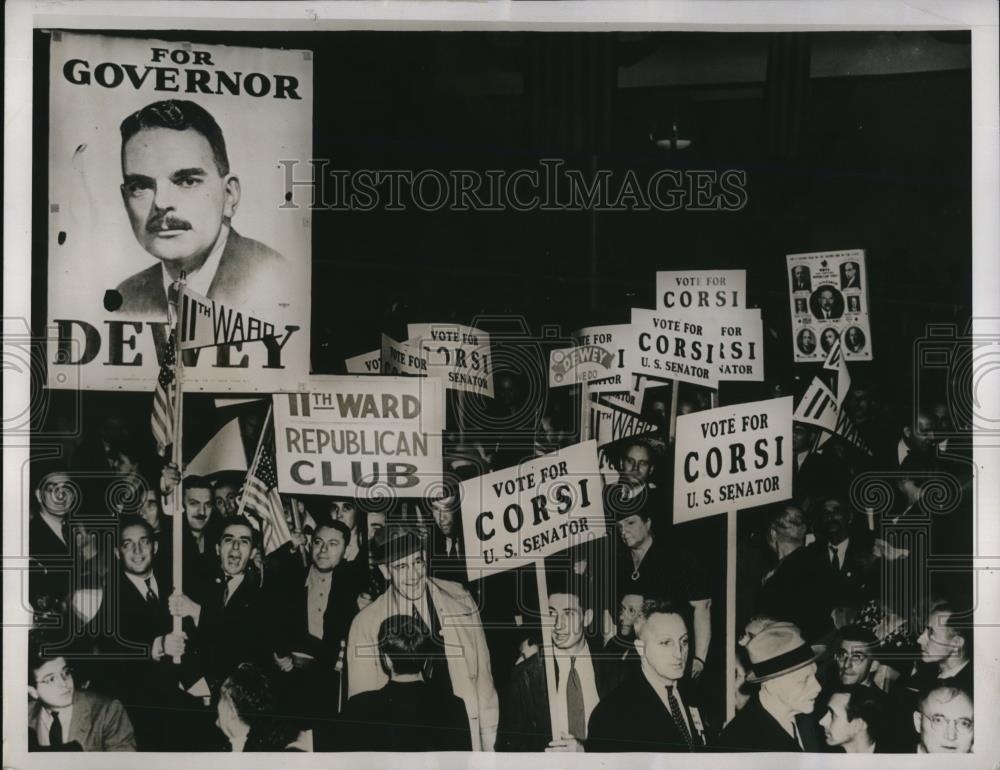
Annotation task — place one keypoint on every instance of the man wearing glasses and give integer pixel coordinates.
(856, 664)
(62, 718)
(944, 722)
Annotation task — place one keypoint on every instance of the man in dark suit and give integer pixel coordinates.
(314, 607)
(652, 711)
(784, 666)
(181, 197)
(581, 681)
(62, 718)
(233, 626)
(144, 677)
(801, 280)
(57, 496)
(408, 713)
(447, 548)
(846, 569)
(619, 656)
(827, 303)
(850, 276)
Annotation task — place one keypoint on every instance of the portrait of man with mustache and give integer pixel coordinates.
(181, 197)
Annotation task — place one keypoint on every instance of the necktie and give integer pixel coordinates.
(678, 717)
(834, 559)
(452, 547)
(227, 593)
(150, 594)
(55, 730)
(574, 703)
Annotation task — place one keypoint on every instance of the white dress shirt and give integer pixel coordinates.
(841, 550)
(45, 723)
(661, 690)
(140, 584)
(317, 595)
(588, 681)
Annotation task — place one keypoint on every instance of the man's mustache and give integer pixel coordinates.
(166, 222)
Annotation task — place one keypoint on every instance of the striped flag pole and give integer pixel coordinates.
(177, 531)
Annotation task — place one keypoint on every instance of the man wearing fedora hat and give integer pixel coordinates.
(460, 659)
(784, 666)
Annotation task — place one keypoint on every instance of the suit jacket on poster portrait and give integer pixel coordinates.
(467, 654)
(525, 722)
(633, 718)
(98, 723)
(247, 268)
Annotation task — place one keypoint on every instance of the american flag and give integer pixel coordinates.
(165, 398)
(262, 499)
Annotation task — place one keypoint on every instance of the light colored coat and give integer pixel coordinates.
(465, 644)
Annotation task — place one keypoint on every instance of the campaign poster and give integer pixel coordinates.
(401, 358)
(164, 160)
(357, 436)
(828, 300)
(741, 345)
(515, 516)
(674, 346)
(597, 358)
(701, 290)
(459, 355)
(366, 363)
(733, 457)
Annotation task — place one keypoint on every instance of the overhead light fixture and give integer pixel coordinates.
(674, 142)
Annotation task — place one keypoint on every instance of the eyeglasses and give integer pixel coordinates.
(855, 658)
(939, 721)
(64, 676)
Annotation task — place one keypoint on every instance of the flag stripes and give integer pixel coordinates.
(165, 398)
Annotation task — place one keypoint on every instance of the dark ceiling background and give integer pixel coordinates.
(848, 140)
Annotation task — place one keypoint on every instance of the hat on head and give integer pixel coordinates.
(778, 649)
(392, 543)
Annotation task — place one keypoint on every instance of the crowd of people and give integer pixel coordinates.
(365, 631)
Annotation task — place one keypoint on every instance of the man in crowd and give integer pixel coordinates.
(659, 566)
(784, 666)
(842, 559)
(855, 657)
(232, 622)
(581, 681)
(408, 713)
(63, 718)
(944, 721)
(148, 684)
(946, 649)
(313, 608)
(447, 549)
(57, 496)
(853, 718)
(226, 494)
(460, 660)
(200, 562)
(651, 711)
(638, 464)
(619, 652)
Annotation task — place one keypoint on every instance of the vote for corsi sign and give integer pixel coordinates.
(733, 457)
(519, 515)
